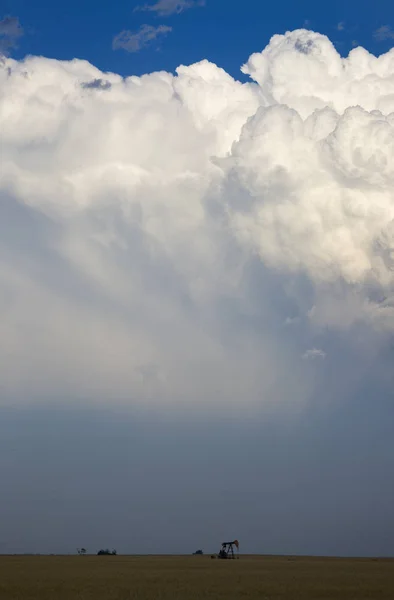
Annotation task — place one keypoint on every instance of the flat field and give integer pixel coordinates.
(194, 578)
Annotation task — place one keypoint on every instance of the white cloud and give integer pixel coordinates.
(165, 8)
(134, 41)
(10, 32)
(313, 354)
(385, 32)
(341, 26)
(157, 231)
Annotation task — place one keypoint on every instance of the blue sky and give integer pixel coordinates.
(222, 31)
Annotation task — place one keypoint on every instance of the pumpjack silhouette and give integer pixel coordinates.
(227, 549)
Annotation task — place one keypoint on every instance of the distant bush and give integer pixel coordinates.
(198, 552)
(106, 552)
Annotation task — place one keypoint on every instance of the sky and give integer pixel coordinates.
(225, 33)
(196, 277)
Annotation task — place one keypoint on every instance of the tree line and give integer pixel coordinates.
(106, 552)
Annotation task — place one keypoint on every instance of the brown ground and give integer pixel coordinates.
(194, 578)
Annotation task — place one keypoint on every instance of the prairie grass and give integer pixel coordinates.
(194, 578)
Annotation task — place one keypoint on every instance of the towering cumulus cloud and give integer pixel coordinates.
(182, 238)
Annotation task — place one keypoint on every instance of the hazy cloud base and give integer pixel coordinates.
(188, 239)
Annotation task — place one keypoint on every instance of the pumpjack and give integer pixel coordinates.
(227, 549)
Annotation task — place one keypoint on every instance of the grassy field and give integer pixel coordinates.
(194, 578)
